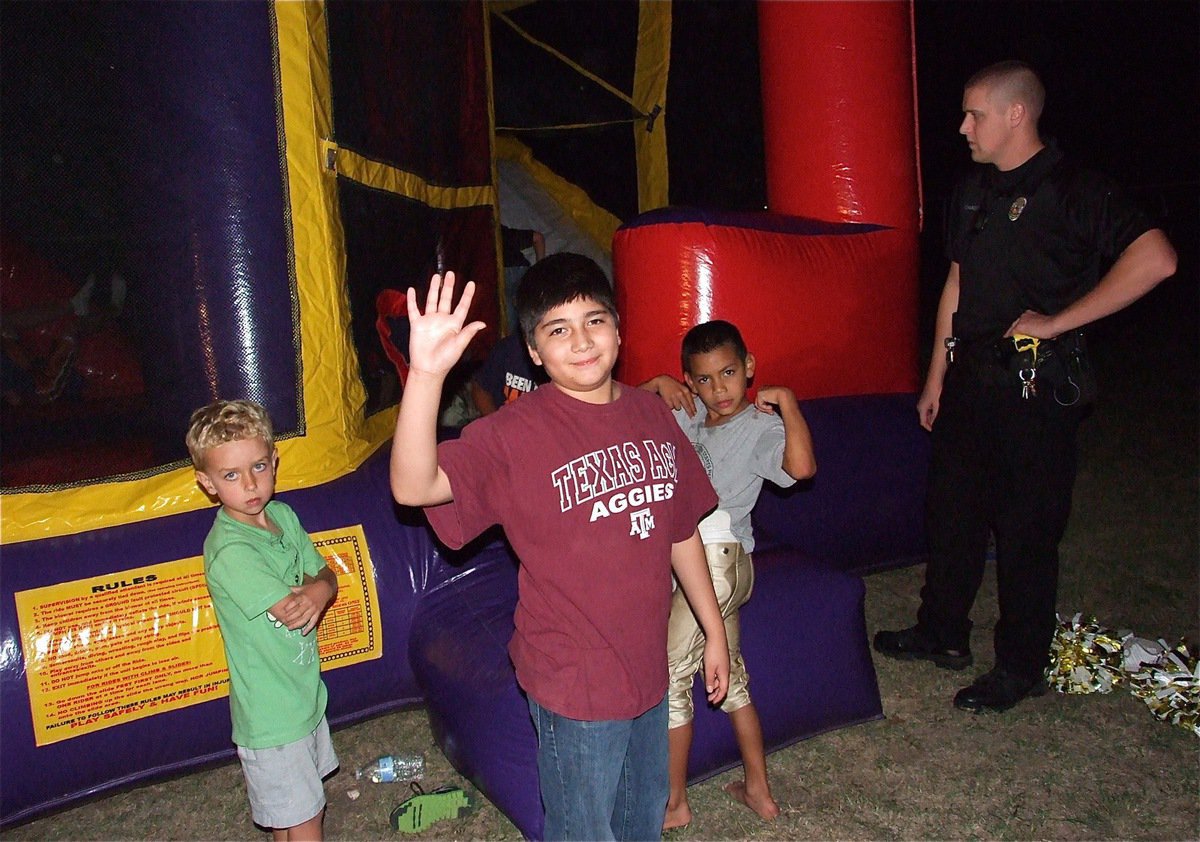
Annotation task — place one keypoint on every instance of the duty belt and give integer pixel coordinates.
(998, 352)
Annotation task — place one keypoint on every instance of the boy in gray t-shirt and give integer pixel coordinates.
(740, 445)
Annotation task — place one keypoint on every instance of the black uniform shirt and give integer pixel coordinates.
(1034, 238)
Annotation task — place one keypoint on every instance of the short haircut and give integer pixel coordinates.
(226, 421)
(1015, 81)
(709, 337)
(559, 279)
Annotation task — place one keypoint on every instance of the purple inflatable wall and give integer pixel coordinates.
(202, 222)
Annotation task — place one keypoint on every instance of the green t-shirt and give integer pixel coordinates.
(276, 695)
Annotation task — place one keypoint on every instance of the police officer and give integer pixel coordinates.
(1038, 249)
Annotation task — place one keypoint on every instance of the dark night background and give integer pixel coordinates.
(1123, 88)
(1122, 80)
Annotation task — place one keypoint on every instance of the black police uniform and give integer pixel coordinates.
(1034, 238)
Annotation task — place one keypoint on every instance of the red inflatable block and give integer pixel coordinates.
(827, 314)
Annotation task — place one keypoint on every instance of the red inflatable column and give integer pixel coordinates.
(838, 111)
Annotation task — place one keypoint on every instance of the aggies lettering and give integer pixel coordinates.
(618, 478)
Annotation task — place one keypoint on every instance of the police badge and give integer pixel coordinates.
(1018, 205)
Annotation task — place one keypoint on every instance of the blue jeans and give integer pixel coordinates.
(603, 779)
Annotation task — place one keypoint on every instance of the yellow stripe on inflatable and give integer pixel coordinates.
(595, 221)
(385, 177)
(333, 393)
(649, 92)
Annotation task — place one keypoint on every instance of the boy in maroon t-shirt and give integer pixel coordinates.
(599, 493)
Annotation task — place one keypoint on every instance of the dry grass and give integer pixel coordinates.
(1059, 767)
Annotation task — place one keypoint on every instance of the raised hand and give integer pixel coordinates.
(438, 337)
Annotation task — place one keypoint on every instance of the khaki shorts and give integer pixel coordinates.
(284, 783)
(733, 579)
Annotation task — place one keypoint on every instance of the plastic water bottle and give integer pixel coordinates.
(393, 767)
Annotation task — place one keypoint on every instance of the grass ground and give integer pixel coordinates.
(1058, 767)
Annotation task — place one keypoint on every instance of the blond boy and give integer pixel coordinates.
(269, 588)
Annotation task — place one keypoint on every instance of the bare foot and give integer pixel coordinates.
(679, 815)
(763, 804)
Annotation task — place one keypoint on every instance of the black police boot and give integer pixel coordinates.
(915, 644)
(998, 690)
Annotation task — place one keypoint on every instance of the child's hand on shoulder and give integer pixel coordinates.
(770, 397)
(675, 394)
(438, 337)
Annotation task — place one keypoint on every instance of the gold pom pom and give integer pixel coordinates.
(1170, 687)
(1086, 658)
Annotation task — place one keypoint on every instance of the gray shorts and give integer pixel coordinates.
(284, 783)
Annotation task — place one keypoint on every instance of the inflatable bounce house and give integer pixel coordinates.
(210, 200)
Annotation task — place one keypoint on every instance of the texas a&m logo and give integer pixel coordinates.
(640, 523)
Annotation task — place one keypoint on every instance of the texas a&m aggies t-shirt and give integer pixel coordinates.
(591, 497)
